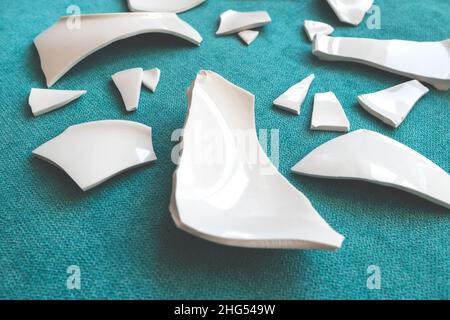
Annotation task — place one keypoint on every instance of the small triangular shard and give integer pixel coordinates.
(150, 78)
(314, 28)
(292, 99)
(328, 114)
(248, 36)
(45, 100)
(129, 83)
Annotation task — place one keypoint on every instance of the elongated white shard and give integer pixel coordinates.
(92, 152)
(293, 98)
(64, 44)
(370, 156)
(328, 114)
(232, 21)
(350, 11)
(225, 188)
(129, 83)
(248, 36)
(45, 100)
(150, 78)
(176, 6)
(392, 105)
(314, 28)
(425, 61)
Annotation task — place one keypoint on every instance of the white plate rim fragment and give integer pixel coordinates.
(175, 6)
(42, 101)
(232, 21)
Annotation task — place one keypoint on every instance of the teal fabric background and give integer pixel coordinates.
(121, 235)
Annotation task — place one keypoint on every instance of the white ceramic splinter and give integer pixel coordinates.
(293, 98)
(248, 36)
(176, 6)
(350, 11)
(370, 156)
(328, 114)
(129, 83)
(150, 78)
(232, 21)
(92, 152)
(225, 188)
(314, 28)
(45, 100)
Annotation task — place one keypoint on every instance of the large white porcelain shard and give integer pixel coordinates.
(150, 78)
(64, 44)
(392, 105)
(314, 28)
(45, 100)
(248, 36)
(350, 11)
(370, 156)
(328, 114)
(425, 61)
(225, 188)
(129, 83)
(176, 6)
(232, 21)
(293, 98)
(92, 152)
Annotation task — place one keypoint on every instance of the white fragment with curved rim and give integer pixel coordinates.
(370, 156)
(150, 78)
(45, 100)
(129, 83)
(293, 98)
(92, 152)
(315, 28)
(232, 21)
(248, 36)
(175, 6)
(328, 114)
(350, 11)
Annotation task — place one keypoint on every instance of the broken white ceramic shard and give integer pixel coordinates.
(176, 6)
(293, 98)
(314, 28)
(92, 152)
(63, 45)
(248, 36)
(392, 105)
(225, 188)
(328, 114)
(150, 78)
(129, 83)
(45, 100)
(350, 11)
(370, 156)
(232, 21)
(425, 61)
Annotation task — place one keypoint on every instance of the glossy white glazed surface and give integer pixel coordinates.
(60, 48)
(129, 83)
(392, 105)
(232, 21)
(328, 114)
(176, 6)
(293, 98)
(350, 11)
(248, 36)
(93, 152)
(425, 61)
(314, 28)
(238, 198)
(370, 156)
(45, 100)
(150, 78)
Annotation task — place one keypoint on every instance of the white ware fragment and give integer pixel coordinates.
(248, 36)
(328, 114)
(150, 78)
(232, 21)
(226, 190)
(293, 98)
(392, 105)
(314, 28)
(350, 11)
(45, 100)
(129, 83)
(175, 6)
(92, 152)
(425, 61)
(370, 156)
(63, 45)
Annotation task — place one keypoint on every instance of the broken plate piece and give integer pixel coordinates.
(92, 152)
(234, 21)
(370, 156)
(225, 188)
(425, 61)
(328, 114)
(129, 83)
(62, 46)
(150, 78)
(392, 105)
(293, 98)
(45, 100)
(175, 6)
(350, 11)
(314, 28)
(248, 36)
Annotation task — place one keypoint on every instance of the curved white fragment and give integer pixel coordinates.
(150, 78)
(232, 21)
(392, 105)
(63, 45)
(92, 152)
(45, 100)
(328, 114)
(293, 98)
(425, 61)
(129, 83)
(175, 6)
(314, 28)
(248, 36)
(350, 11)
(226, 190)
(370, 156)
